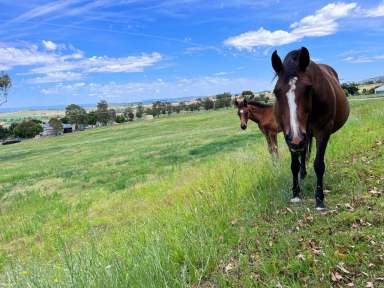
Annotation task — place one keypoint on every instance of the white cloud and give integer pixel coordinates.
(374, 12)
(56, 77)
(55, 65)
(49, 45)
(322, 23)
(159, 88)
(363, 58)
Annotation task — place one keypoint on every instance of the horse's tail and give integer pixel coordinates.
(309, 148)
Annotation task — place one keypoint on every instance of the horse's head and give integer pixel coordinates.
(242, 111)
(293, 93)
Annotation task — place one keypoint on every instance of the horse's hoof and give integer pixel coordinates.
(295, 200)
(320, 205)
(320, 209)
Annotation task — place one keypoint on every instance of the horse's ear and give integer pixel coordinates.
(304, 59)
(235, 102)
(276, 63)
(245, 102)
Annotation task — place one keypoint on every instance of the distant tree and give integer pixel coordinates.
(12, 127)
(129, 114)
(139, 110)
(156, 109)
(5, 85)
(120, 119)
(92, 118)
(102, 112)
(350, 88)
(248, 94)
(76, 115)
(183, 106)
(208, 103)
(111, 115)
(148, 111)
(223, 100)
(4, 132)
(56, 125)
(169, 108)
(64, 120)
(27, 129)
(177, 108)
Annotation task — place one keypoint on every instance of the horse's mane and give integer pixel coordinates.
(258, 104)
(291, 63)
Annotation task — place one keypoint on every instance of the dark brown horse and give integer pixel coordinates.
(309, 103)
(263, 115)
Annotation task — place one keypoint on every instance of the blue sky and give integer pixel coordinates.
(82, 51)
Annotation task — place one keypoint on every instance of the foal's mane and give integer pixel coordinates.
(258, 104)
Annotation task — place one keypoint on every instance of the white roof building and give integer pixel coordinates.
(379, 90)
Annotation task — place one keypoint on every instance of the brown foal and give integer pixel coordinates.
(263, 115)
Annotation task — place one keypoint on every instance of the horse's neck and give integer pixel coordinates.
(256, 114)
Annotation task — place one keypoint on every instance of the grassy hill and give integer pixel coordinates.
(190, 201)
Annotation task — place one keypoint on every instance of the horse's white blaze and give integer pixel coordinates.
(293, 107)
(241, 111)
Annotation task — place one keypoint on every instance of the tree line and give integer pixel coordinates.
(103, 115)
(219, 101)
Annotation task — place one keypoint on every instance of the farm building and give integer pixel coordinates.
(379, 90)
(49, 131)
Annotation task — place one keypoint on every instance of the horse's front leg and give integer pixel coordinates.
(319, 165)
(295, 168)
(303, 169)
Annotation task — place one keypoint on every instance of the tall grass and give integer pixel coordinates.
(197, 220)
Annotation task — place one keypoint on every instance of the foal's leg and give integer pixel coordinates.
(321, 146)
(269, 142)
(295, 167)
(275, 150)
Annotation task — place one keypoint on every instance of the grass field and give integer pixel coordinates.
(190, 201)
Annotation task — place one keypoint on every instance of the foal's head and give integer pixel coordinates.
(242, 111)
(293, 93)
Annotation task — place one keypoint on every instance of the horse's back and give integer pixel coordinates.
(341, 101)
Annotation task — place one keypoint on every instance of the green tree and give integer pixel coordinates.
(120, 119)
(139, 110)
(4, 132)
(27, 129)
(56, 125)
(76, 115)
(350, 88)
(156, 109)
(208, 103)
(111, 115)
(129, 114)
(102, 112)
(223, 100)
(92, 118)
(169, 108)
(248, 94)
(5, 85)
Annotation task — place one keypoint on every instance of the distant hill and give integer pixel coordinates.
(377, 79)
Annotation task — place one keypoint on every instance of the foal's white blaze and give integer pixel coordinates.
(293, 107)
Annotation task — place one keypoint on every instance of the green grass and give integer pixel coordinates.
(190, 201)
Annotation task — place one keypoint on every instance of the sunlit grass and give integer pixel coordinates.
(181, 201)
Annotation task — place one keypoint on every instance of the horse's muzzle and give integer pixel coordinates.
(243, 126)
(296, 146)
